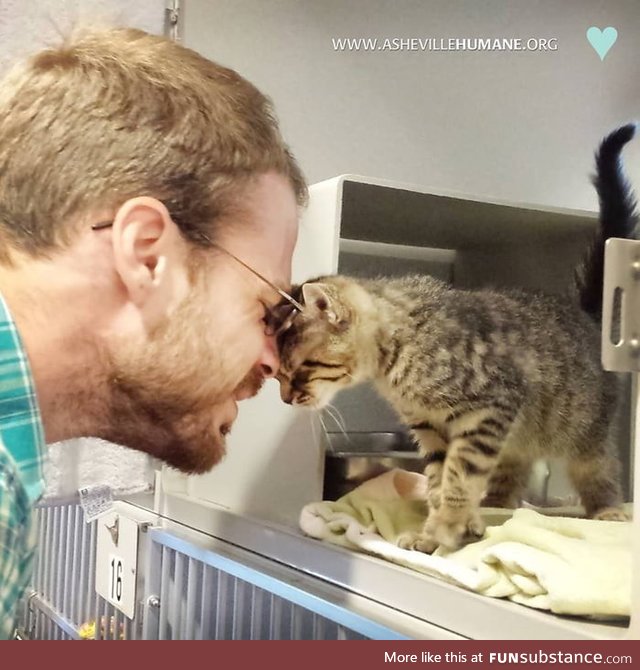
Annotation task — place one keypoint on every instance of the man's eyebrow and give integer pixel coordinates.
(280, 283)
(269, 295)
(269, 282)
(283, 286)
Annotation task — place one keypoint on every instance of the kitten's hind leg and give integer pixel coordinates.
(509, 480)
(597, 480)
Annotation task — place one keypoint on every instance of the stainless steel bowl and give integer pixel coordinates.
(353, 458)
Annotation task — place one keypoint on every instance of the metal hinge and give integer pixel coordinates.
(172, 24)
(621, 306)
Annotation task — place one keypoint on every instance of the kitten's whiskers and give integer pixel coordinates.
(333, 412)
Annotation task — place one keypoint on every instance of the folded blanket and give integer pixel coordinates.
(566, 565)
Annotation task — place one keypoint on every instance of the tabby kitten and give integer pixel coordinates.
(488, 381)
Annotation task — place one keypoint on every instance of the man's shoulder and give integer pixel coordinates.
(17, 540)
(14, 502)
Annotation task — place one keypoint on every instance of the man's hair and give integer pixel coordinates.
(114, 114)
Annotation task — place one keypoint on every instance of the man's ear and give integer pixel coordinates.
(149, 252)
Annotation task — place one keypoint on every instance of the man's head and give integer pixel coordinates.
(158, 331)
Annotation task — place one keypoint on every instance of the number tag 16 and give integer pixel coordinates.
(115, 578)
(117, 561)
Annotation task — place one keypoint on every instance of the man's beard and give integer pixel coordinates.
(168, 396)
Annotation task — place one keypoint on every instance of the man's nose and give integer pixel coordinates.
(269, 360)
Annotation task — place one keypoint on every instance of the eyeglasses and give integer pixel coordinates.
(278, 318)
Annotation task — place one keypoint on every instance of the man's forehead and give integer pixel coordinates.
(266, 236)
(271, 258)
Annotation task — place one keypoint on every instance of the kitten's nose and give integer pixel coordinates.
(286, 393)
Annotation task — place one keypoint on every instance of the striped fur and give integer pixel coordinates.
(488, 381)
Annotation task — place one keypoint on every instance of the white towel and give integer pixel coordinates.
(562, 564)
(78, 463)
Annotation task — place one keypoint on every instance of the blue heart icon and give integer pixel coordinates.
(602, 40)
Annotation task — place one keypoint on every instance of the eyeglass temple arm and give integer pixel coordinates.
(107, 224)
(101, 225)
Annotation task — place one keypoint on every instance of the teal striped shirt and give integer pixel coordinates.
(22, 450)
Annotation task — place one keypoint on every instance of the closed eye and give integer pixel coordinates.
(265, 310)
(312, 370)
(278, 318)
(320, 364)
(329, 378)
(267, 316)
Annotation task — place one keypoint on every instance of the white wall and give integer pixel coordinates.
(29, 25)
(510, 125)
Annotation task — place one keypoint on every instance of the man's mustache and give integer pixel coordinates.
(250, 385)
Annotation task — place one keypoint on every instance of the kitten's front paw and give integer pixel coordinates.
(408, 540)
(417, 542)
(453, 530)
(426, 544)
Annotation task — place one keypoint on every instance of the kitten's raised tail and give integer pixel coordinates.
(618, 217)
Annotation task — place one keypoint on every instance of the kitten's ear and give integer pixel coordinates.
(321, 301)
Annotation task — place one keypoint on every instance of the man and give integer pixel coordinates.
(148, 215)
